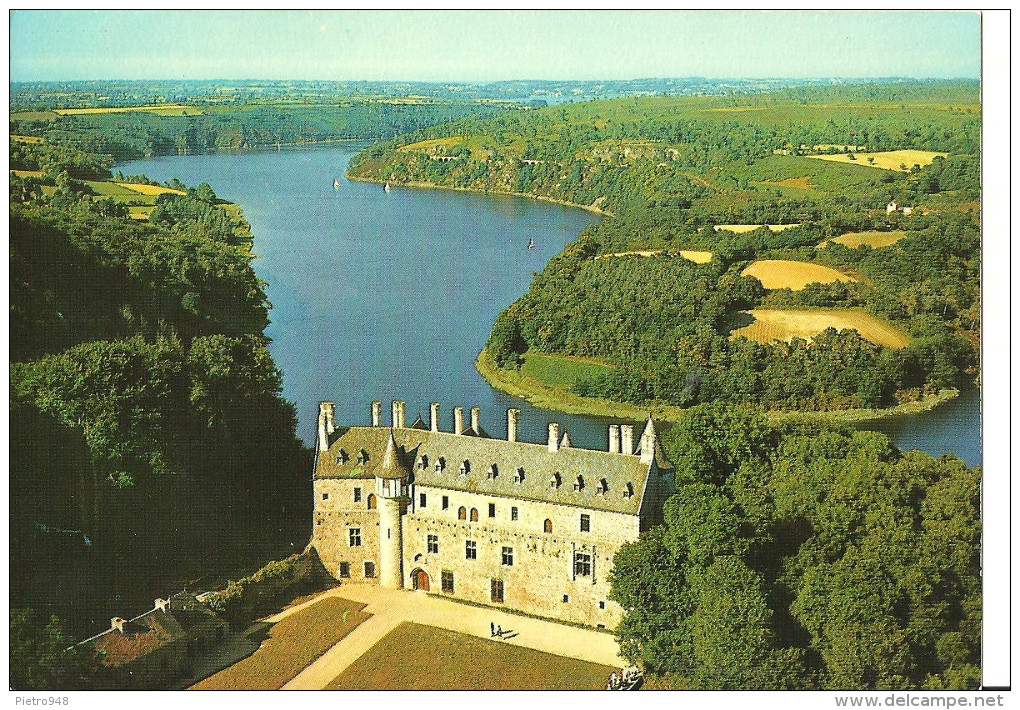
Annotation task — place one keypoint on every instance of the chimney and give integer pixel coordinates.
(554, 436)
(511, 424)
(614, 438)
(458, 420)
(627, 436)
(398, 414)
(324, 430)
(330, 410)
(161, 605)
(376, 413)
(434, 415)
(117, 624)
(476, 419)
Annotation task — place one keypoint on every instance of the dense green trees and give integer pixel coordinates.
(42, 656)
(802, 556)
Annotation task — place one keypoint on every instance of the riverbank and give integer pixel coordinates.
(593, 207)
(560, 399)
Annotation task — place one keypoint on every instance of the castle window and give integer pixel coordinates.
(548, 526)
(424, 462)
(355, 537)
(602, 605)
(325, 496)
(519, 478)
(357, 495)
(342, 457)
(421, 500)
(496, 590)
(628, 492)
(566, 598)
(508, 557)
(446, 502)
(492, 510)
(345, 570)
(362, 456)
(465, 468)
(474, 515)
(493, 472)
(585, 522)
(470, 550)
(433, 544)
(462, 513)
(447, 581)
(579, 483)
(370, 570)
(602, 487)
(440, 464)
(513, 512)
(371, 501)
(582, 564)
(555, 481)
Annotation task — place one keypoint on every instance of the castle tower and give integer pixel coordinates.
(391, 488)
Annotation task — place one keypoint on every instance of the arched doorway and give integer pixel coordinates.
(420, 580)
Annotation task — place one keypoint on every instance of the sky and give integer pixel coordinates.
(489, 45)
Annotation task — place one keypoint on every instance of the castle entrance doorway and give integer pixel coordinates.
(420, 580)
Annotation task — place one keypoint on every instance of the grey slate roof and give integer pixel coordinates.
(539, 464)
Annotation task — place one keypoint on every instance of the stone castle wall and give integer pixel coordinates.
(335, 515)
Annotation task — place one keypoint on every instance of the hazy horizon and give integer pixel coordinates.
(488, 46)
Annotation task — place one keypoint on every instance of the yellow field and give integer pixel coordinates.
(161, 109)
(743, 228)
(890, 160)
(139, 212)
(148, 189)
(872, 239)
(772, 325)
(799, 183)
(450, 142)
(27, 173)
(794, 275)
(27, 139)
(698, 257)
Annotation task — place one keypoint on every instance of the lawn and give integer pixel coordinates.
(771, 325)
(417, 657)
(561, 369)
(794, 275)
(293, 644)
(872, 239)
(888, 160)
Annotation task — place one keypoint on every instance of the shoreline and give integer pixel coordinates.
(432, 186)
(545, 396)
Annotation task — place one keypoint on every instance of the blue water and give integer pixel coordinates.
(392, 295)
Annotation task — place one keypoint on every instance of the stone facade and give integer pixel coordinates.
(533, 527)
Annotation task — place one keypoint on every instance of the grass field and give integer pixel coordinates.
(872, 239)
(417, 657)
(160, 110)
(561, 369)
(148, 189)
(889, 160)
(292, 645)
(27, 139)
(33, 116)
(138, 212)
(744, 228)
(794, 275)
(772, 325)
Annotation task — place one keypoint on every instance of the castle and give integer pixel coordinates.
(500, 522)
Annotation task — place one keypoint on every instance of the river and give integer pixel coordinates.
(381, 296)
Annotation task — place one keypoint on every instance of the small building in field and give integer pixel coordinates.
(501, 522)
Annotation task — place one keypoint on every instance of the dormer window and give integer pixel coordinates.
(342, 457)
(362, 456)
(493, 472)
(424, 462)
(602, 488)
(440, 464)
(579, 483)
(628, 492)
(465, 468)
(555, 481)
(519, 476)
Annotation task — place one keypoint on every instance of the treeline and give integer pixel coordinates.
(805, 557)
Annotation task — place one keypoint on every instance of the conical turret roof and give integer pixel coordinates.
(393, 464)
(649, 428)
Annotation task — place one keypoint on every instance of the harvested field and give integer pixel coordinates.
(161, 110)
(698, 257)
(139, 212)
(293, 644)
(773, 325)
(27, 139)
(743, 228)
(794, 275)
(418, 657)
(148, 189)
(888, 160)
(801, 183)
(27, 173)
(872, 239)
